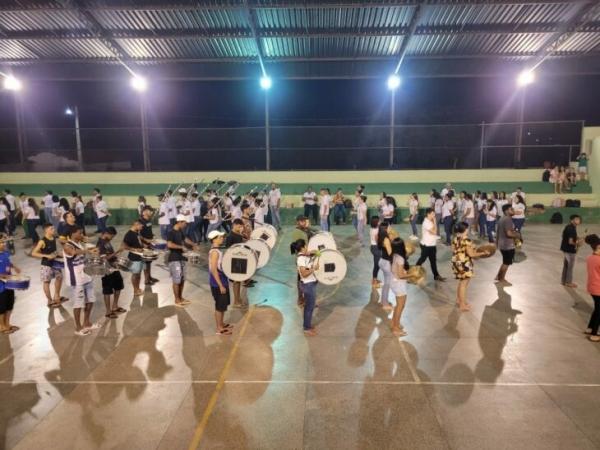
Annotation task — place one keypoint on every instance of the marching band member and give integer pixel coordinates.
(133, 243)
(506, 241)
(164, 221)
(307, 265)
(146, 236)
(46, 250)
(219, 285)
(7, 296)
(177, 242)
(213, 216)
(569, 245)
(274, 206)
(237, 236)
(112, 282)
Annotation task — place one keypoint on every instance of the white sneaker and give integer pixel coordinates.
(414, 237)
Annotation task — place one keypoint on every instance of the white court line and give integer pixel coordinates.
(413, 370)
(308, 382)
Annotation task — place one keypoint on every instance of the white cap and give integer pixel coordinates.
(182, 191)
(215, 234)
(181, 218)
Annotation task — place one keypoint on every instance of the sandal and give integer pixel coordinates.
(64, 299)
(111, 315)
(180, 304)
(119, 310)
(83, 332)
(224, 332)
(227, 325)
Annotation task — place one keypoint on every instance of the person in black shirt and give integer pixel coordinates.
(569, 244)
(112, 283)
(147, 236)
(67, 227)
(133, 243)
(177, 242)
(46, 250)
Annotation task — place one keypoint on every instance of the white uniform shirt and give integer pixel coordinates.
(163, 209)
(513, 196)
(11, 201)
(413, 206)
(187, 211)
(48, 201)
(468, 206)
(310, 198)
(305, 261)
(79, 207)
(29, 213)
(361, 213)
(196, 208)
(172, 207)
(374, 234)
(74, 274)
(387, 211)
(236, 212)
(259, 214)
(429, 238)
(274, 196)
(519, 210)
(492, 214)
(447, 208)
(101, 209)
(324, 208)
(3, 212)
(438, 205)
(214, 213)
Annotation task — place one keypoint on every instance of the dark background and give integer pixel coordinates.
(333, 105)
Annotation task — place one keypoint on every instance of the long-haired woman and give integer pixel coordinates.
(384, 244)
(413, 209)
(398, 284)
(463, 253)
(374, 233)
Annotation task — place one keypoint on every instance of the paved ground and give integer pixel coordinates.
(516, 372)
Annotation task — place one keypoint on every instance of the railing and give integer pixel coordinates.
(446, 146)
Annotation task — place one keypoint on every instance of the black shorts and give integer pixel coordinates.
(508, 256)
(221, 300)
(7, 300)
(112, 282)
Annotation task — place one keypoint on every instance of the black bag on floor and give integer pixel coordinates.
(538, 206)
(569, 203)
(576, 203)
(556, 218)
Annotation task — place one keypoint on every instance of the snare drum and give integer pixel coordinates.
(239, 262)
(149, 255)
(123, 263)
(95, 266)
(17, 282)
(194, 258)
(321, 241)
(159, 245)
(332, 267)
(266, 233)
(262, 250)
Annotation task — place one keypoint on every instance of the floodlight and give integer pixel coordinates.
(139, 83)
(68, 111)
(393, 82)
(11, 83)
(526, 77)
(266, 82)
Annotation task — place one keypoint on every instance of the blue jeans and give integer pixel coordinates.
(448, 221)
(31, 226)
(413, 225)
(324, 223)
(482, 225)
(309, 290)
(339, 211)
(491, 229)
(212, 227)
(518, 223)
(355, 222)
(47, 215)
(102, 223)
(163, 231)
(275, 218)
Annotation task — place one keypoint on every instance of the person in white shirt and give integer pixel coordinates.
(163, 216)
(324, 210)
(500, 202)
(446, 190)
(141, 204)
(468, 214)
(437, 207)
(448, 217)
(197, 218)
(31, 212)
(274, 205)
(413, 211)
(520, 192)
(102, 213)
(481, 204)
(213, 216)
(311, 209)
(4, 214)
(172, 209)
(80, 213)
(460, 204)
(519, 208)
(12, 211)
(432, 197)
(361, 219)
(48, 204)
(429, 239)
(95, 194)
(307, 266)
(55, 218)
(260, 212)
(491, 215)
(387, 210)
(355, 201)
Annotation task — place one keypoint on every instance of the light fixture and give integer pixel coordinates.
(266, 82)
(139, 83)
(11, 83)
(68, 111)
(525, 77)
(393, 82)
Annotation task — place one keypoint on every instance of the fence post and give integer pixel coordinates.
(481, 145)
(570, 154)
(20, 131)
(145, 149)
(519, 149)
(392, 120)
(267, 132)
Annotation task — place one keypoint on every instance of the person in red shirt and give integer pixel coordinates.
(593, 285)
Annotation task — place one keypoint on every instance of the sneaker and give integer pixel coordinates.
(413, 237)
(94, 327)
(82, 332)
(594, 338)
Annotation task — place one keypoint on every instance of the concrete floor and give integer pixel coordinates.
(516, 372)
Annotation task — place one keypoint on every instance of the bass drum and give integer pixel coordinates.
(332, 267)
(266, 233)
(321, 241)
(262, 250)
(239, 262)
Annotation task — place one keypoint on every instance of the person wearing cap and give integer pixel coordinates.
(219, 284)
(146, 236)
(177, 242)
(112, 283)
(196, 207)
(133, 243)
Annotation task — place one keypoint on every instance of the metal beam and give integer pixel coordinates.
(194, 5)
(412, 27)
(131, 34)
(259, 46)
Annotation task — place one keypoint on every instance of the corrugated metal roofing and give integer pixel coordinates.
(288, 30)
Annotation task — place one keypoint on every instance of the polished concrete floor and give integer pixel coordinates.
(514, 373)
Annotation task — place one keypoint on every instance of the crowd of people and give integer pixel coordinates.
(189, 217)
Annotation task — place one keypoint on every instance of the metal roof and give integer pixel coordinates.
(306, 33)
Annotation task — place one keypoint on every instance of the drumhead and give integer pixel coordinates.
(321, 241)
(266, 233)
(263, 251)
(332, 267)
(239, 262)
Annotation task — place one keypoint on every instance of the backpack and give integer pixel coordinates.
(556, 218)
